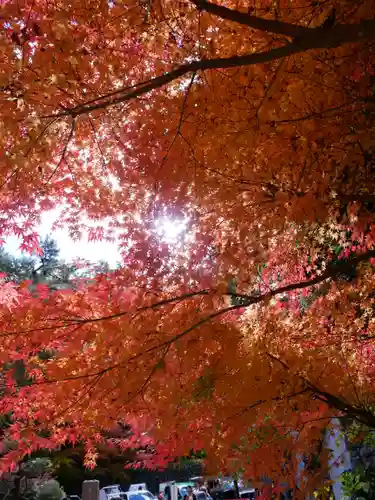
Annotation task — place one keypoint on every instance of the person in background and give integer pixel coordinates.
(190, 494)
(167, 492)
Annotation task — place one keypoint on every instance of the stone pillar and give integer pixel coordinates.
(174, 492)
(90, 490)
(340, 460)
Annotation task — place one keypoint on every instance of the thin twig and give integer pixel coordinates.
(97, 142)
(316, 115)
(178, 130)
(16, 170)
(262, 401)
(62, 158)
(271, 87)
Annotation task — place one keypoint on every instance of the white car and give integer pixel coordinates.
(248, 493)
(138, 487)
(137, 495)
(202, 495)
(110, 492)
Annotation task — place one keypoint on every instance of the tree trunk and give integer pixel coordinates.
(236, 489)
(16, 494)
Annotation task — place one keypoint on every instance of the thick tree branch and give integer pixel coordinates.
(258, 23)
(360, 414)
(361, 198)
(79, 321)
(318, 38)
(181, 71)
(263, 401)
(332, 270)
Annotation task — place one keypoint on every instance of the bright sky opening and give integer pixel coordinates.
(168, 230)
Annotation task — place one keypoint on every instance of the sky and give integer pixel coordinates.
(69, 249)
(167, 230)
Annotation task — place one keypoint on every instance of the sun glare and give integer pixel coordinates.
(171, 230)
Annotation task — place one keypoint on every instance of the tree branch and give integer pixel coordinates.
(318, 114)
(360, 414)
(332, 270)
(262, 401)
(64, 151)
(78, 321)
(361, 198)
(258, 23)
(195, 66)
(178, 130)
(317, 38)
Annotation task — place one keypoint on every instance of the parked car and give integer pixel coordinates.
(112, 492)
(202, 495)
(181, 488)
(248, 493)
(137, 495)
(139, 486)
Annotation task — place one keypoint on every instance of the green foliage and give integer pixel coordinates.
(358, 433)
(193, 457)
(50, 256)
(49, 268)
(324, 492)
(204, 387)
(369, 440)
(50, 490)
(36, 467)
(232, 290)
(358, 484)
(46, 268)
(16, 268)
(102, 267)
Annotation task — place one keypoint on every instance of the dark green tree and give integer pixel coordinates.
(46, 268)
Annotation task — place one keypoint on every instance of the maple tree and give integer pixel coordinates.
(252, 121)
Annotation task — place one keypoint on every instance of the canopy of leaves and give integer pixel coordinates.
(254, 122)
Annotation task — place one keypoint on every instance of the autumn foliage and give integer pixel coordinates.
(254, 122)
